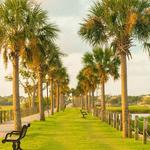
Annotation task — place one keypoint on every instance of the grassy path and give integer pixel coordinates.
(68, 131)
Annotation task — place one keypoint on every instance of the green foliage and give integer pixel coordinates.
(116, 100)
(7, 100)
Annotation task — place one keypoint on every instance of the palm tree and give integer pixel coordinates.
(120, 22)
(64, 88)
(91, 75)
(107, 65)
(84, 83)
(53, 63)
(73, 91)
(14, 14)
(60, 77)
(40, 44)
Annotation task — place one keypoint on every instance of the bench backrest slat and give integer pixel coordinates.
(23, 131)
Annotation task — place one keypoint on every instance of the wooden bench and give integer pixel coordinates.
(83, 113)
(16, 136)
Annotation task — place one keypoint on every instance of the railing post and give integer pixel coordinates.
(117, 122)
(145, 124)
(96, 112)
(1, 117)
(112, 119)
(136, 128)
(4, 116)
(109, 119)
(129, 126)
(120, 122)
(7, 115)
(114, 122)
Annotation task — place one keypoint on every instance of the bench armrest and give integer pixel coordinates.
(10, 134)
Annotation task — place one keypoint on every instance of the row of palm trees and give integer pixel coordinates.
(118, 24)
(99, 65)
(28, 38)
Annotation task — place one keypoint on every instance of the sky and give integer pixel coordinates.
(68, 14)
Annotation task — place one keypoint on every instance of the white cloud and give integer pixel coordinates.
(65, 7)
(73, 64)
(138, 76)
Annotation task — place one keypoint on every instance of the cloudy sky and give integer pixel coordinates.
(68, 14)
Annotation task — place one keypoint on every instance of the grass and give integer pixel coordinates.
(132, 109)
(6, 107)
(68, 131)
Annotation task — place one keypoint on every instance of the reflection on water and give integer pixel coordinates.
(140, 115)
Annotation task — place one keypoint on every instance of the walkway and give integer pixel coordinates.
(68, 131)
(8, 126)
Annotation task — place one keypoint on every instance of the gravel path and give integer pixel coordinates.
(8, 126)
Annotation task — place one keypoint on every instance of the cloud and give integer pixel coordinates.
(138, 71)
(69, 41)
(65, 7)
(138, 74)
(73, 64)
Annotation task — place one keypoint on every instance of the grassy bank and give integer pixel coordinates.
(132, 109)
(68, 131)
(6, 107)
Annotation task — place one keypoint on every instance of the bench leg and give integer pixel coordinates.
(18, 146)
(14, 146)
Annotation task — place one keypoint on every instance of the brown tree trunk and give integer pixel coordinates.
(103, 107)
(51, 97)
(57, 97)
(73, 101)
(81, 101)
(124, 95)
(60, 98)
(33, 98)
(89, 102)
(92, 102)
(86, 101)
(92, 99)
(16, 100)
(63, 101)
(40, 95)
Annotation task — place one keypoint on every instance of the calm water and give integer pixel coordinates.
(140, 115)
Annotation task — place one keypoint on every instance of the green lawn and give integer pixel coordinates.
(68, 131)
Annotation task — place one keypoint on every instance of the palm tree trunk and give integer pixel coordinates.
(103, 100)
(51, 97)
(57, 98)
(81, 102)
(33, 98)
(92, 99)
(40, 95)
(63, 102)
(89, 102)
(47, 98)
(86, 101)
(16, 100)
(124, 94)
(60, 98)
(92, 102)
(73, 101)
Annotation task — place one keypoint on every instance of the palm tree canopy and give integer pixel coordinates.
(119, 21)
(104, 61)
(14, 14)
